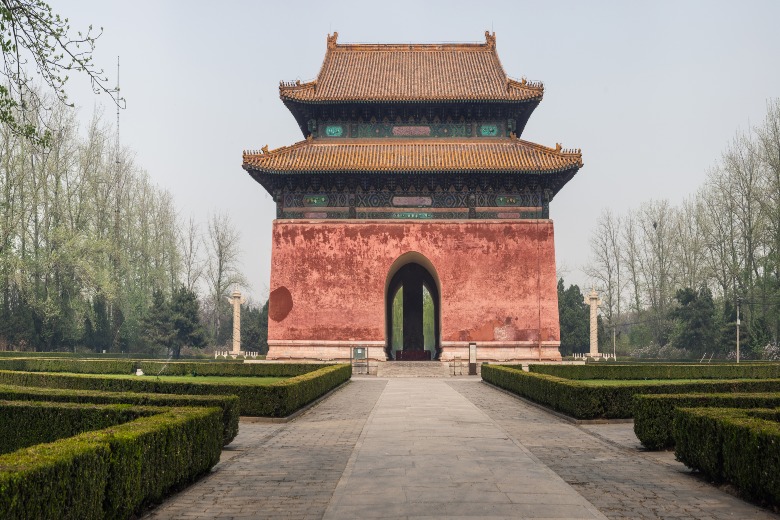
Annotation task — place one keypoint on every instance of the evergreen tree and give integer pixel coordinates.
(574, 316)
(157, 325)
(187, 329)
(101, 339)
(695, 321)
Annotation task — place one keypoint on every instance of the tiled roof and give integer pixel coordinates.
(412, 72)
(413, 155)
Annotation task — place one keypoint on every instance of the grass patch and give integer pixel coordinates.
(691, 371)
(648, 382)
(222, 380)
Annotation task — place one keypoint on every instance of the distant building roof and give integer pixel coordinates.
(414, 155)
(411, 72)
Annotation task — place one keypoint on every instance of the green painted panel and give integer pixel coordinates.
(315, 200)
(488, 130)
(508, 200)
(334, 130)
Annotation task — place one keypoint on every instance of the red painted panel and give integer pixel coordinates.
(497, 278)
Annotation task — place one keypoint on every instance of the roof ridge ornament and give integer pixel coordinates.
(264, 149)
(558, 147)
(332, 40)
(490, 39)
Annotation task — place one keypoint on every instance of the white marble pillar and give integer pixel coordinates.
(592, 299)
(236, 300)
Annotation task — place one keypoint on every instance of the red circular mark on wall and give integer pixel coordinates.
(280, 304)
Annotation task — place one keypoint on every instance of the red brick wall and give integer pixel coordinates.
(497, 280)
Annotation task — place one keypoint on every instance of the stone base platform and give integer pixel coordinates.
(451, 351)
(414, 369)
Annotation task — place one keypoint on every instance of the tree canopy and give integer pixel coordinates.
(39, 45)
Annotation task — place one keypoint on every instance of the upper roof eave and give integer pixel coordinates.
(449, 72)
(507, 155)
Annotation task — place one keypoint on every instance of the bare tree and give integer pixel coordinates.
(630, 257)
(606, 264)
(192, 265)
(222, 266)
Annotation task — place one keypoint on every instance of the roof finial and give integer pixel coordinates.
(558, 147)
(490, 39)
(332, 39)
(264, 149)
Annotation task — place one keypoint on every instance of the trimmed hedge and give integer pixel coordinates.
(110, 473)
(583, 401)
(274, 400)
(64, 479)
(228, 403)
(77, 366)
(690, 371)
(227, 368)
(153, 368)
(732, 445)
(654, 414)
(26, 423)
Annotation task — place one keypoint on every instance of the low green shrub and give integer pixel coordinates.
(228, 403)
(654, 414)
(76, 366)
(274, 400)
(223, 368)
(26, 423)
(585, 401)
(657, 371)
(732, 445)
(64, 479)
(110, 473)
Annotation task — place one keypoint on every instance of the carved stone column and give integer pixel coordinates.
(236, 300)
(592, 299)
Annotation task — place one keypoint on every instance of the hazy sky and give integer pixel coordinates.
(651, 91)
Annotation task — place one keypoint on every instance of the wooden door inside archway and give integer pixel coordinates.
(412, 309)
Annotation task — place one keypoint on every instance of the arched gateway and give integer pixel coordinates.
(412, 310)
(412, 158)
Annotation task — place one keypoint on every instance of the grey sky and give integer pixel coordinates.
(651, 91)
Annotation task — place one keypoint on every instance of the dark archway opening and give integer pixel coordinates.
(412, 307)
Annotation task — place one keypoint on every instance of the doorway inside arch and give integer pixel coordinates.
(412, 315)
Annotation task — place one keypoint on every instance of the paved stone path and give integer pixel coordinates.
(444, 448)
(428, 452)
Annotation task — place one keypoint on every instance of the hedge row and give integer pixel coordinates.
(227, 403)
(78, 366)
(732, 445)
(110, 473)
(583, 401)
(690, 371)
(172, 368)
(273, 400)
(223, 368)
(25, 423)
(654, 414)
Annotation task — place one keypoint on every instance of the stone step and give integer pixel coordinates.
(414, 369)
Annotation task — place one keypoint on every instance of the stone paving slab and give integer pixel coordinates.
(444, 448)
(607, 465)
(287, 470)
(446, 458)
